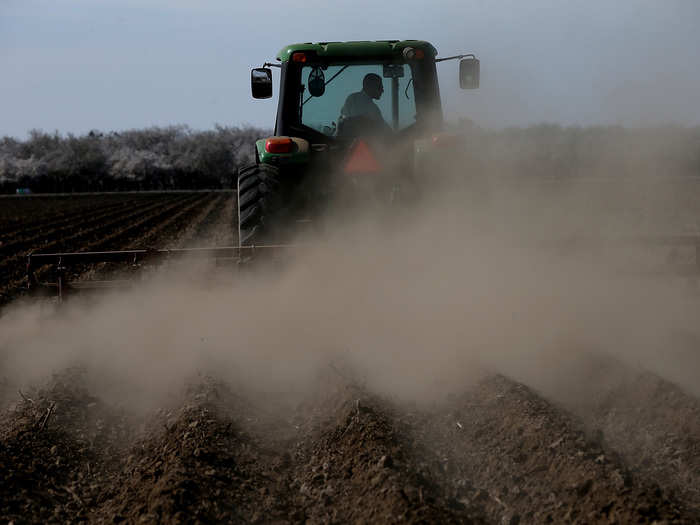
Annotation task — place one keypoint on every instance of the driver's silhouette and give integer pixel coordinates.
(360, 106)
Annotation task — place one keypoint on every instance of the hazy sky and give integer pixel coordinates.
(76, 65)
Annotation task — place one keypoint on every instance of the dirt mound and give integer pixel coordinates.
(655, 426)
(57, 449)
(535, 464)
(219, 458)
(195, 464)
(362, 466)
(499, 453)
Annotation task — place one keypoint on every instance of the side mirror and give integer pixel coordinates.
(469, 73)
(317, 82)
(261, 82)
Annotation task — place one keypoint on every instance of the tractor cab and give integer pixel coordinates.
(337, 90)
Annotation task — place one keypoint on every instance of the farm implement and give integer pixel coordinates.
(62, 268)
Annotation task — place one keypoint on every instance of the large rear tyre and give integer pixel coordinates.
(259, 201)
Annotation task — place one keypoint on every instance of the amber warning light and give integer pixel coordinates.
(279, 145)
(298, 57)
(410, 53)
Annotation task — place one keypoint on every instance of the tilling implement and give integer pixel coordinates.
(61, 266)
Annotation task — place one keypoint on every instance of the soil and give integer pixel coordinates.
(94, 223)
(497, 452)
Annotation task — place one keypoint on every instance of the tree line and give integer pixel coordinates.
(156, 158)
(177, 157)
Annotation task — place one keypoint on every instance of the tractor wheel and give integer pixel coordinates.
(258, 203)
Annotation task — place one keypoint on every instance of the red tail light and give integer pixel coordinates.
(279, 145)
(361, 159)
(298, 57)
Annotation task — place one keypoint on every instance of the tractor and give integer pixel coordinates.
(355, 122)
(338, 141)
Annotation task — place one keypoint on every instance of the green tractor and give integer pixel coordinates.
(338, 134)
(357, 123)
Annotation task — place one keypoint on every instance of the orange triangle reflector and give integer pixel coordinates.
(361, 159)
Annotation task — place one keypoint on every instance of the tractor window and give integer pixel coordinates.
(345, 92)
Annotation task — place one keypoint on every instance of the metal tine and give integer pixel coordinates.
(62, 261)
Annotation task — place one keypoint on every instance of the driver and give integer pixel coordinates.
(360, 104)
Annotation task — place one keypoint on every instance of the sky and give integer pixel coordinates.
(78, 65)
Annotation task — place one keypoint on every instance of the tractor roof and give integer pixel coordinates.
(360, 49)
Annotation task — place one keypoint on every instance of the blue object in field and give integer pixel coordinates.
(23, 191)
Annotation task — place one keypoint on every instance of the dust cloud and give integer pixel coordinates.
(486, 275)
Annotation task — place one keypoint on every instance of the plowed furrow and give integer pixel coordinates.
(655, 426)
(528, 461)
(102, 234)
(217, 229)
(219, 461)
(197, 464)
(35, 212)
(72, 229)
(224, 226)
(58, 452)
(359, 466)
(201, 222)
(169, 230)
(498, 454)
(85, 238)
(39, 211)
(123, 229)
(164, 233)
(47, 228)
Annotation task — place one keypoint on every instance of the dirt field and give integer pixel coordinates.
(496, 450)
(102, 222)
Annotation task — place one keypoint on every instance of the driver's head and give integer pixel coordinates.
(372, 85)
